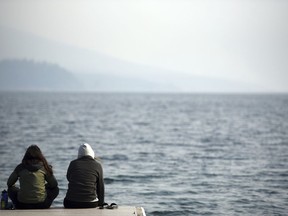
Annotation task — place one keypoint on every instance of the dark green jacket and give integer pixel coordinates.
(85, 177)
(32, 179)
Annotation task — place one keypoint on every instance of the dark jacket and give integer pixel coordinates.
(85, 177)
(32, 180)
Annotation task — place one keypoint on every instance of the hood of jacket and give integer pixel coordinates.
(85, 150)
(33, 167)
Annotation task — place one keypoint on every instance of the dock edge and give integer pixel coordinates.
(140, 211)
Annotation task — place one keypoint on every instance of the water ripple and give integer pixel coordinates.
(172, 154)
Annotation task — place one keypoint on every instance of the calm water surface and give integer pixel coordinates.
(173, 154)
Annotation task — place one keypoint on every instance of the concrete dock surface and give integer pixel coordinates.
(120, 211)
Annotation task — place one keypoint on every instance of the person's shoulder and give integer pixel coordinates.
(19, 168)
(79, 160)
(75, 161)
(93, 161)
(97, 163)
(86, 159)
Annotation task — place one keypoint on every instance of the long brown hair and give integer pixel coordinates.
(34, 155)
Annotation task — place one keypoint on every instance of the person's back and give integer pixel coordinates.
(38, 186)
(85, 177)
(32, 186)
(84, 171)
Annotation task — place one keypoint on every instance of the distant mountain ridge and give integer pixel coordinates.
(31, 75)
(87, 70)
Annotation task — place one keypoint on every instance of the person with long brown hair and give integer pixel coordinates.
(38, 186)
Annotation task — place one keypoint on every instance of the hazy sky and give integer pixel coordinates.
(245, 40)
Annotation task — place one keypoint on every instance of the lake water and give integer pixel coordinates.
(173, 154)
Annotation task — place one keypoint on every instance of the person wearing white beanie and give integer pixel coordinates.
(86, 182)
(85, 150)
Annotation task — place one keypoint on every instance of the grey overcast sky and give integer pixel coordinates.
(242, 40)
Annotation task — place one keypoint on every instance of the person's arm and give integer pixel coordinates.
(100, 186)
(51, 180)
(13, 177)
(69, 171)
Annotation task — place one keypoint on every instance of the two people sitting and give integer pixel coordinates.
(39, 187)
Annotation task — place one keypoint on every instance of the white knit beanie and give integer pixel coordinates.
(85, 150)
